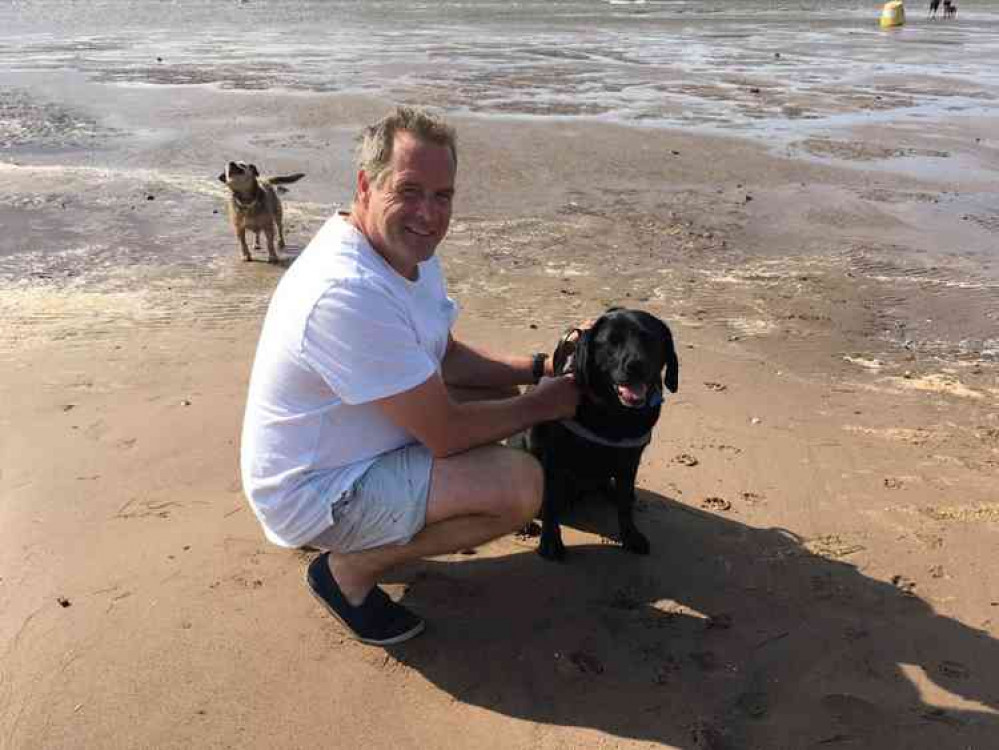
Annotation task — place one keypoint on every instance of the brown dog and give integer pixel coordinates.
(254, 205)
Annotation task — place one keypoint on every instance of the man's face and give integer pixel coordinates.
(407, 212)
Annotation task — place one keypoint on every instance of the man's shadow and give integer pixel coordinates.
(726, 636)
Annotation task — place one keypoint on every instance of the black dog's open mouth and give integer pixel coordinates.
(633, 396)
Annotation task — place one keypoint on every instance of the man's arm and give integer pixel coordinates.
(447, 427)
(469, 367)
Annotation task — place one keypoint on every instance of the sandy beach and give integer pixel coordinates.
(821, 495)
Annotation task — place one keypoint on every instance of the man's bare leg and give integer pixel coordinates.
(475, 496)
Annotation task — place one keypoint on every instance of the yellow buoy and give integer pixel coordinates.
(893, 14)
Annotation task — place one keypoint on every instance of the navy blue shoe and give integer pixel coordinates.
(377, 620)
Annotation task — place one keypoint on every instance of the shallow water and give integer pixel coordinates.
(746, 67)
(816, 80)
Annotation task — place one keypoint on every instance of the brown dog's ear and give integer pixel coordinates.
(222, 178)
(671, 375)
(253, 168)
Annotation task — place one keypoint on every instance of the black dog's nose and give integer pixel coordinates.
(635, 370)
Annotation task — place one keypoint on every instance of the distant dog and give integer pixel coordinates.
(950, 9)
(617, 363)
(254, 205)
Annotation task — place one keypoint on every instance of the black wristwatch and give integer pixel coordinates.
(538, 366)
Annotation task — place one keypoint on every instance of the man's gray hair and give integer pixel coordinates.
(374, 150)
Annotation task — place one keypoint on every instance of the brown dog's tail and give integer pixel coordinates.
(286, 179)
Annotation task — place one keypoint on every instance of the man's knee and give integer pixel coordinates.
(526, 485)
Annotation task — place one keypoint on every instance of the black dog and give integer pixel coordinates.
(617, 364)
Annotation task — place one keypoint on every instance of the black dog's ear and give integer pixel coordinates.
(565, 348)
(671, 376)
(581, 358)
(222, 178)
(253, 168)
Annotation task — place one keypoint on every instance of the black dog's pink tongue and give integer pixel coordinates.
(632, 395)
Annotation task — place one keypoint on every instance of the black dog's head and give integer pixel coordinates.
(621, 358)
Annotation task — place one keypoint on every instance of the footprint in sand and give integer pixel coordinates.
(724, 448)
(905, 585)
(96, 430)
(716, 503)
(940, 715)
(954, 669)
(707, 737)
(685, 459)
(666, 670)
(832, 546)
(753, 704)
(720, 621)
(706, 660)
(850, 709)
(586, 663)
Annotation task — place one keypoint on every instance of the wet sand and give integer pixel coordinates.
(820, 495)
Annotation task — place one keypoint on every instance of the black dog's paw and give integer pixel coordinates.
(551, 548)
(635, 541)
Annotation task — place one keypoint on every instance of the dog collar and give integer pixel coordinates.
(579, 431)
(636, 442)
(248, 204)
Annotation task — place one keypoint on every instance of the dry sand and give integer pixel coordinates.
(821, 495)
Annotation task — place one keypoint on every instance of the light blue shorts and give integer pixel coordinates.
(387, 505)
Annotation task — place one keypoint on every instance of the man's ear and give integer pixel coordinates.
(363, 187)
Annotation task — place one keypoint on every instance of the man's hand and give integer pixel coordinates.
(560, 396)
(428, 413)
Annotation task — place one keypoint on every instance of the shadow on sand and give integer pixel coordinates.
(726, 636)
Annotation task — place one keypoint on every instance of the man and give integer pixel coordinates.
(368, 430)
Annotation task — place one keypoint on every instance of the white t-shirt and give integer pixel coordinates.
(343, 329)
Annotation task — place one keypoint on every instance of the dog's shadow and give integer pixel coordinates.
(726, 636)
(286, 257)
(290, 253)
